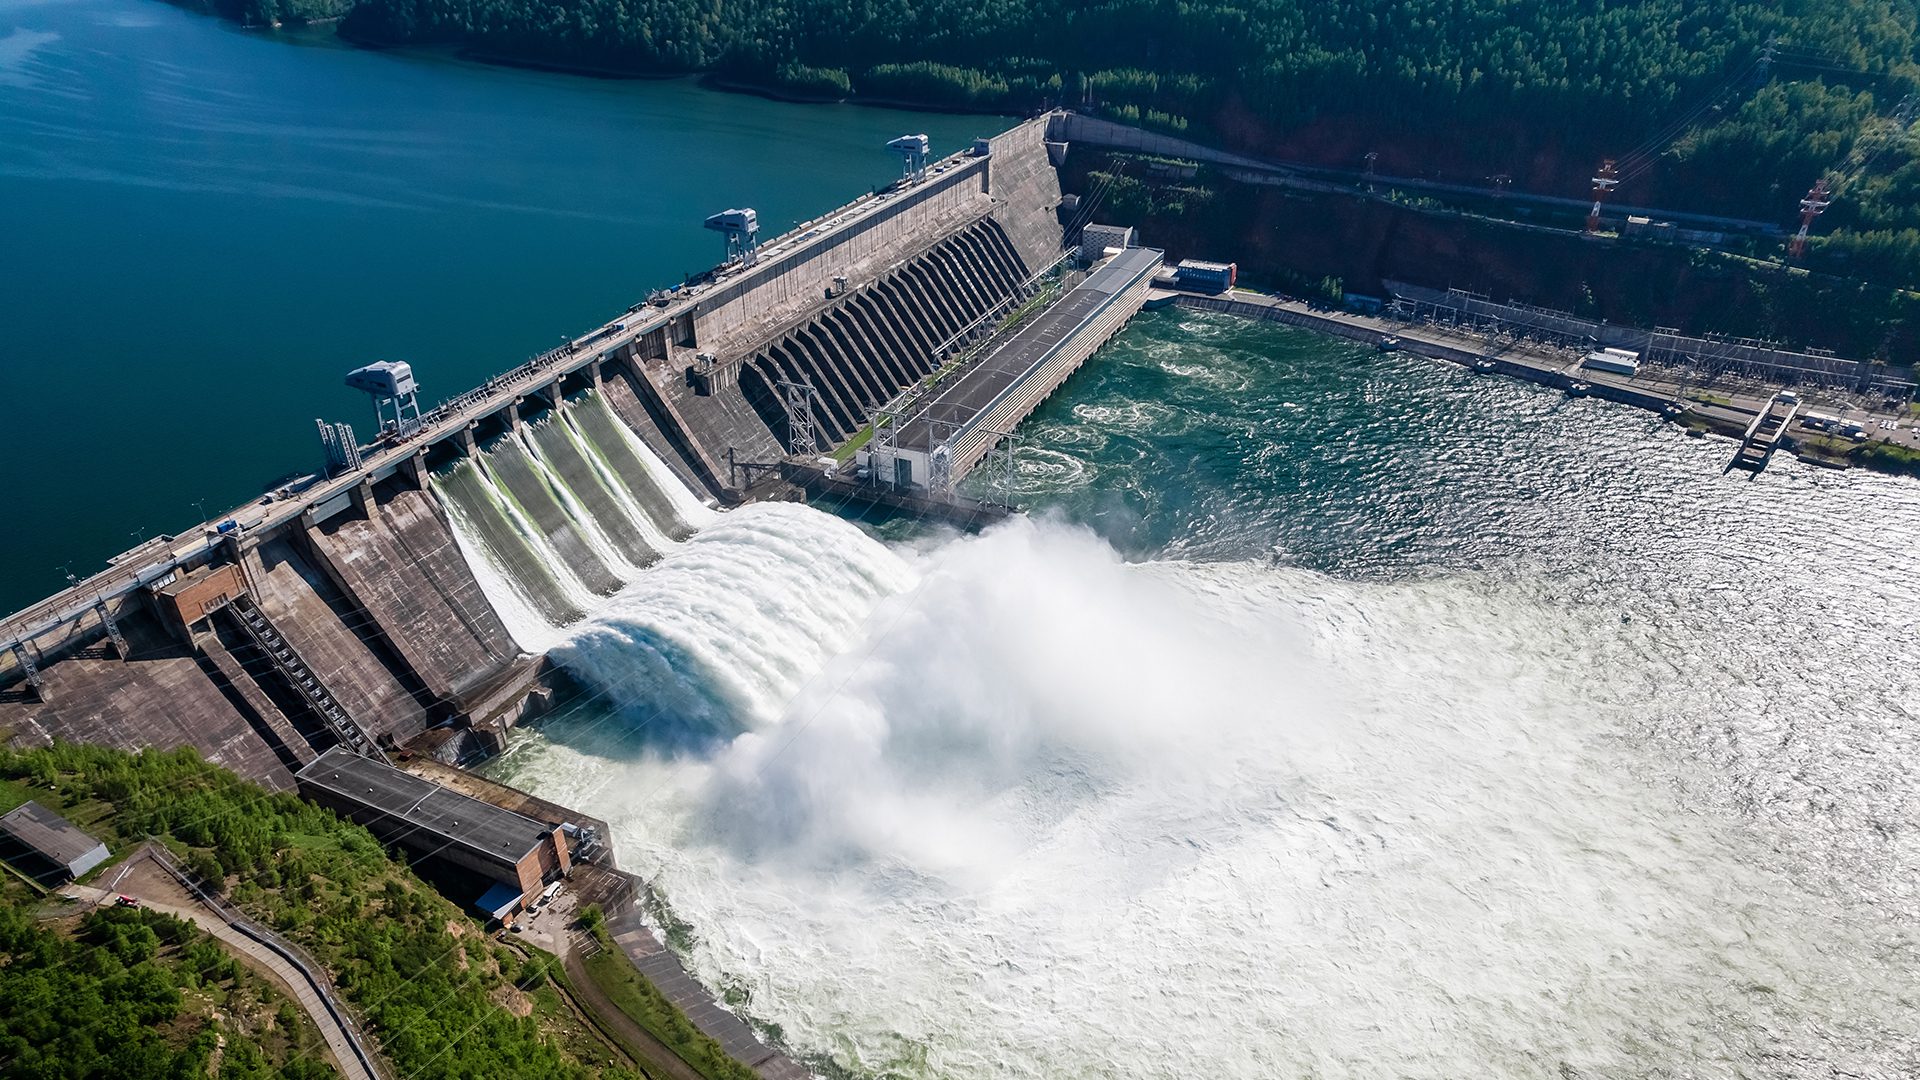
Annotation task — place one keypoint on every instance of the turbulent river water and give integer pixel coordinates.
(1332, 714)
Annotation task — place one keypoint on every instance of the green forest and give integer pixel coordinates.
(429, 982)
(1732, 107)
(130, 994)
(1726, 106)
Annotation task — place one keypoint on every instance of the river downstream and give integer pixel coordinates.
(1335, 714)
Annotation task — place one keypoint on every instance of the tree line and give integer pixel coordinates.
(428, 980)
(1766, 97)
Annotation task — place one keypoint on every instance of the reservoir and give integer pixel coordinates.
(1329, 713)
(207, 227)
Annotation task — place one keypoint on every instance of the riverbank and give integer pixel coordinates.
(1722, 406)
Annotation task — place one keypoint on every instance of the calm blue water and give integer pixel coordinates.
(205, 228)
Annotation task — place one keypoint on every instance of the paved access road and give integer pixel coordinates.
(142, 878)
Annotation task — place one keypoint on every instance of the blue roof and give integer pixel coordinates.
(499, 900)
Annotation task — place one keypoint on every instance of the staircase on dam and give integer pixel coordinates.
(274, 648)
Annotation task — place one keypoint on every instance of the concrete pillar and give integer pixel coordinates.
(978, 277)
(845, 322)
(468, 447)
(944, 283)
(862, 394)
(829, 420)
(962, 278)
(890, 315)
(414, 468)
(839, 329)
(362, 496)
(597, 372)
(513, 414)
(933, 311)
(846, 409)
(911, 316)
(997, 242)
(998, 271)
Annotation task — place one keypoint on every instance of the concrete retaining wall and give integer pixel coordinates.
(785, 284)
(326, 630)
(384, 609)
(160, 696)
(404, 568)
(1026, 192)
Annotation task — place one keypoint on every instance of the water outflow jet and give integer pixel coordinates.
(560, 513)
(1053, 814)
(720, 636)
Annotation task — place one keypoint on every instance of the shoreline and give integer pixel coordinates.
(1719, 413)
(708, 80)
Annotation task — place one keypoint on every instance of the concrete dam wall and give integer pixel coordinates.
(355, 608)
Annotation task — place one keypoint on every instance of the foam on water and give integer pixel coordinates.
(718, 636)
(1431, 732)
(1056, 815)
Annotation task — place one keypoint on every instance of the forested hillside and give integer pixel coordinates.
(137, 995)
(1685, 92)
(441, 1000)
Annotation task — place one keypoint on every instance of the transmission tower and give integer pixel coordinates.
(800, 397)
(1008, 443)
(1819, 197)
(1603, 185)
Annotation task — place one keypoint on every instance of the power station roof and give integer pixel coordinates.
(52, 837)
(424, 814)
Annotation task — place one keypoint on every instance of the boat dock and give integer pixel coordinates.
(1763, 435)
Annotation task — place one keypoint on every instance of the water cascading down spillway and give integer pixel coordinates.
(563, 512)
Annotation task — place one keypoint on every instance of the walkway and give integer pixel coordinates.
(1729, 402)
(150, 879)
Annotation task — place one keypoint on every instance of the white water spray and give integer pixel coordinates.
(595, 512)
(1009, 806)
(1049, 814)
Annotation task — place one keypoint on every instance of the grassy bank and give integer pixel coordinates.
(636, 996)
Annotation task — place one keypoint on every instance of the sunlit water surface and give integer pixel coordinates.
(1335, 714)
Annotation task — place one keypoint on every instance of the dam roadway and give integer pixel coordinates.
(965, 415)
(914, 264)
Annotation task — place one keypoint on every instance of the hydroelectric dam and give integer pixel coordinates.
(364, 606)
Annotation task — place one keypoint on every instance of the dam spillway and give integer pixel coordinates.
(417, 589)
